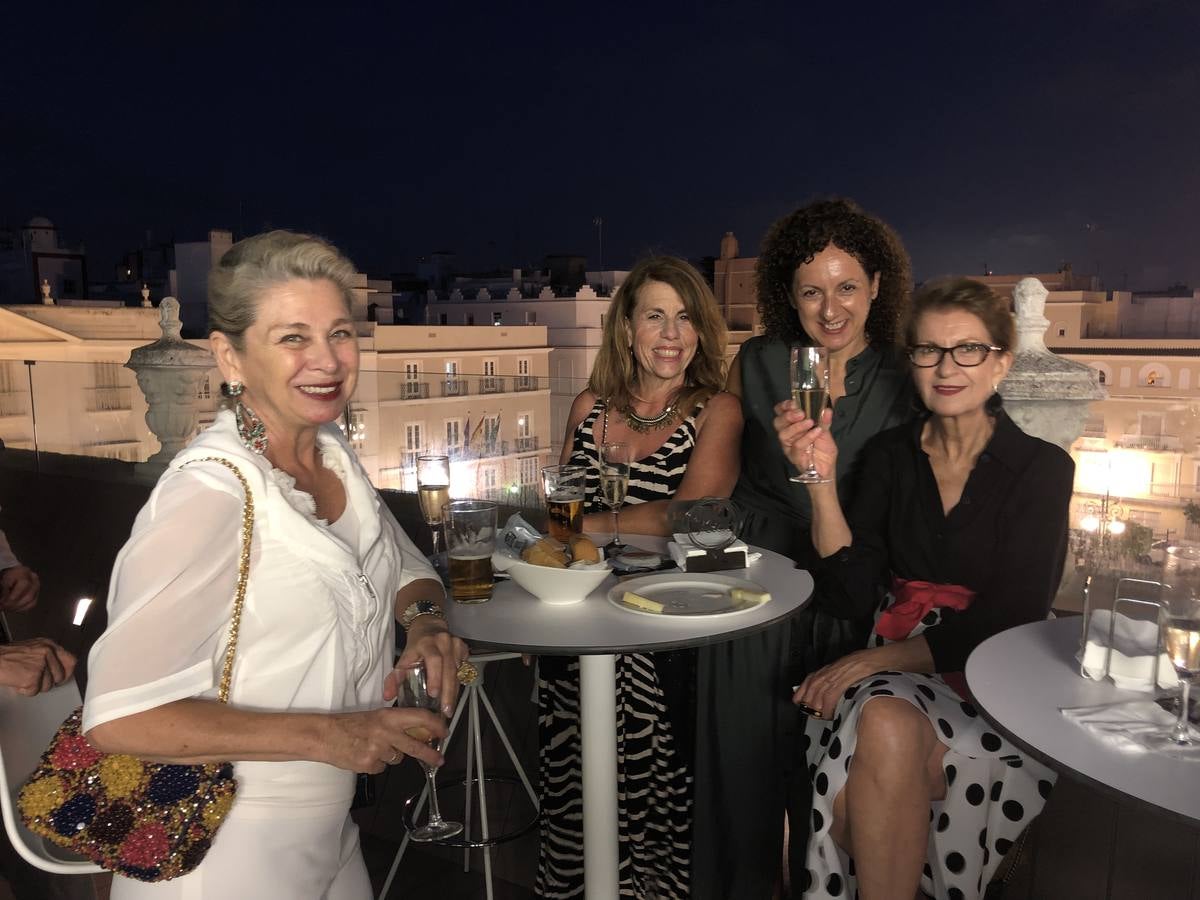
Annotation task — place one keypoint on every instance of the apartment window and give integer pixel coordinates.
(489, 383)
(525, 381)
(412, 444)
(498, 318)
(1152, 377)
(489, 481)
(453, 435)
(529, 469)
(412, 371)
(491, 433)
(107, 393)
(525, 439)
(204, 391)
(530, 318)
(1062, 332)
(1103, 377)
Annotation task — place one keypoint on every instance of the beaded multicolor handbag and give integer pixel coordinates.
(143, 820)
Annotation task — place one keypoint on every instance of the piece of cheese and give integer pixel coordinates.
(639, 602)
(744, 596)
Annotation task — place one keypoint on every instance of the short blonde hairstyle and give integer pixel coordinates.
(614, 375)
(251, 266)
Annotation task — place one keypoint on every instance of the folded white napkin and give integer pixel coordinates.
(1134, 644)
(1126, 726)
(682, 547)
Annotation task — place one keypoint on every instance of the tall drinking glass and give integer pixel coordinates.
(1181, 634)
(810, 392)
(614, 482)
(564, 487)
(414, 694)
(470, 539)
(433, 490)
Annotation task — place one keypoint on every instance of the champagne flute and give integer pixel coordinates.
(810, 391)
(614, 483)
(414, 693)
(1181, 634)
(433, 490)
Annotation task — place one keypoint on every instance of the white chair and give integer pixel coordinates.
(469, 699)
(26, 726)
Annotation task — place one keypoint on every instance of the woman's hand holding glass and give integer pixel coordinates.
(371, 741)
(798, 434)
(429, 641)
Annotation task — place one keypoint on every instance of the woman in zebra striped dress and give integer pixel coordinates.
(656, 386)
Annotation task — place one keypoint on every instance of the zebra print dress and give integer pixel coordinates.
(655, 725)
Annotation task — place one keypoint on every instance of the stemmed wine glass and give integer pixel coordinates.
(433, 490)
(413, 693)
(1181, 634)
(614, 482)
(810, 392)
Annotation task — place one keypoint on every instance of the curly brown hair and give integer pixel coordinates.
(799, 236)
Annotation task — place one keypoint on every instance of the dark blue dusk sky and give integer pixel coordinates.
(985, 132)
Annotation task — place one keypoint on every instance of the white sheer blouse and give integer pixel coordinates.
(318, 625)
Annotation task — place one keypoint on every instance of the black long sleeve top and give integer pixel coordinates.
(1005, 539)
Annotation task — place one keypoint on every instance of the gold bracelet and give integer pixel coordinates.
(420, 608)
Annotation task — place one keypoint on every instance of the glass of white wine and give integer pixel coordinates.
(1181, 634)
(614, 482)
(433, 490)
(810, 392)
(414, 694)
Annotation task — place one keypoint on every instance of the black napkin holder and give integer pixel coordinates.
(716, 560)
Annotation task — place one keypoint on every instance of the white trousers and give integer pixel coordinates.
(270, 853)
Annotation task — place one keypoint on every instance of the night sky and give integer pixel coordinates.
(1020, 135)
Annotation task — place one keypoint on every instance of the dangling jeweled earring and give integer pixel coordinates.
(250, 428)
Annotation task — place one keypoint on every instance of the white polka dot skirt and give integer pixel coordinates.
(992, 791)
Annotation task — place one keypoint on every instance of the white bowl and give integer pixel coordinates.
(558, 587)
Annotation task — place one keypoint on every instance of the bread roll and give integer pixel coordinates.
(583, 549)
(545, 553)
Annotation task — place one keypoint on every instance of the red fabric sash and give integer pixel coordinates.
(913, 600)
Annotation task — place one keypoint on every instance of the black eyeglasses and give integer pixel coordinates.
(926, 356)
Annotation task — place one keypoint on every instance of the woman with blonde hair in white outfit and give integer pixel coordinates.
(330, 573)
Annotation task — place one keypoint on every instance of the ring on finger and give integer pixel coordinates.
(466, 673)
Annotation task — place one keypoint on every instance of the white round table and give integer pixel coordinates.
(595, 630)
(1021, 678)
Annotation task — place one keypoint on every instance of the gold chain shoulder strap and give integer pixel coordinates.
(239, 597)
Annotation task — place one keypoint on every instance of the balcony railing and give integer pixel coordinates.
(526, 443)
(415, 390)
(1159, 442)
(525, 383)
(109, 399)
(454, 387)
(490, 384)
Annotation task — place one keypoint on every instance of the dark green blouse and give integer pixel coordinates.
(879, 395)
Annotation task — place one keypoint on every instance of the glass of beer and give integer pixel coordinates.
(470, 527)
(564, 486)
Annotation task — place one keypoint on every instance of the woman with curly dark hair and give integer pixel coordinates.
(833, 275)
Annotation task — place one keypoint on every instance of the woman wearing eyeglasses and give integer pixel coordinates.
(960, 523)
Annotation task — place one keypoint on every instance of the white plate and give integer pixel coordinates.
(688, 595)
